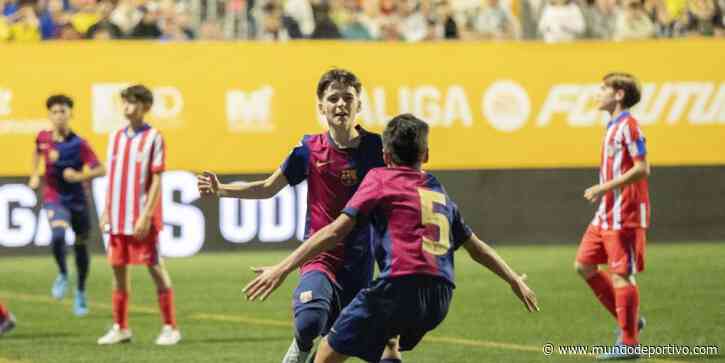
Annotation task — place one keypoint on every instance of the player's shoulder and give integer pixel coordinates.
(44, 135)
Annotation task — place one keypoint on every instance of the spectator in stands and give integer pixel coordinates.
(703, 18)
(445, 17)
(174, 23)
(353, 24)
(148, 27)
(86, 14)
(22, 24)
(492, 21)
(633, 22)
(126, 16)
(412, 23)
(111, 30)
(68, 32)
(274, 25)
(301, 12)
(561, 21)
(211, 30)
(600, 17)
(660, 17)
(325, 28)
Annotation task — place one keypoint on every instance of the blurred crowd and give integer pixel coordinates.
(361, 20)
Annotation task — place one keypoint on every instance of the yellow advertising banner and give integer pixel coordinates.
(241, 107)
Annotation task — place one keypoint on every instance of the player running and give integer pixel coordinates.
(132, 214)
(617, 235)
(7, 320)
(64, 193)
(419, 228)
(333, 163)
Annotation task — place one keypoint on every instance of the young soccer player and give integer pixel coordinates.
(419, 228)
(64, 193)
(333, 163)
(617, 235)
(132, 215)
(7, 320)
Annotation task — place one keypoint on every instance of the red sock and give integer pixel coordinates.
(601, 285)
(120, 308)
(166, 304)
(627, 299)
(3, 312)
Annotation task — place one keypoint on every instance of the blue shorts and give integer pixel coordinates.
(408, 306)
(316, 291)
(75, 218)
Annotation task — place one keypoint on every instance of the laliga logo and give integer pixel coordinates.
(506, 106)
(108, 116)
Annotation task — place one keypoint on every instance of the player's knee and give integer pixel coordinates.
(585, 271)
(309, 324)
(622, 280)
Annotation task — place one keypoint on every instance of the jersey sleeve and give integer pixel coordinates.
(367, 196)
(460, 231)
(158, 156)
(296, 167)
(635, 141)
(88, 155)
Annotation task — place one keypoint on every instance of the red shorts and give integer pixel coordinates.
(622, 250)
(127, 250)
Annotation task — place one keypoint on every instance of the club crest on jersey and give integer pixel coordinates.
(348, 177)
(53, 155)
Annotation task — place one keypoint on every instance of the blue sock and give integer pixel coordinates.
(308, 326)
(58, 243)
(83, 264)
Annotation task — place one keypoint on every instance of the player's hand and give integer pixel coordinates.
(593, 193)
(525, 294)
(208, 184)
(142, 227)
(72, 176)
(34, 182)
(268, 279)
(104, 223)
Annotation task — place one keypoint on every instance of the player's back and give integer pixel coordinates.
(418, 226)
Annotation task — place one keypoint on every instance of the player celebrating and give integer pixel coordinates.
(616, 236)
(333, 163)
(64, 196)
(419, 227)
(7, 320)
(132, 214)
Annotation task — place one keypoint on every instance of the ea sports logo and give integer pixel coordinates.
(506, 106)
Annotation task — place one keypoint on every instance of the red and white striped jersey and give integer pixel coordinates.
(133, 157)
(628, 206)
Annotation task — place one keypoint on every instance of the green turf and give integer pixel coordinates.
(682, 297)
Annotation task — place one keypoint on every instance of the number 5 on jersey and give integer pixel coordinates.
(440, 246)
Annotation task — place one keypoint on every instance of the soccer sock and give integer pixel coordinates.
(166, 304)
(120, 308)
(82, 265)
(58, 242)
(627, 299)
(601, 285)
(3, 312)
(391, 360)
(308, 326)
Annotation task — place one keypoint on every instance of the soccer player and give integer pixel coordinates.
(333, 163)
(132, 214)
(617, 235)
(7, 320)
(419, 228)
(64, 193)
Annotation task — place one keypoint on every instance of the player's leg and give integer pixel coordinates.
(7, 320)
(325, 354)
(59, 220)
(169, 335)
(118, 257)
(391, 354)
(80, 222)
(312, 301)
(591, 253)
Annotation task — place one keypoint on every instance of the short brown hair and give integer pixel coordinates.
(138, 93)
(406, 138)
(340, 76)
(627, 83)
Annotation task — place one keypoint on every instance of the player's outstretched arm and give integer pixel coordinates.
(485, 255)
(639, 171)
(34, 181)
(209, 185)
(270, 278)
